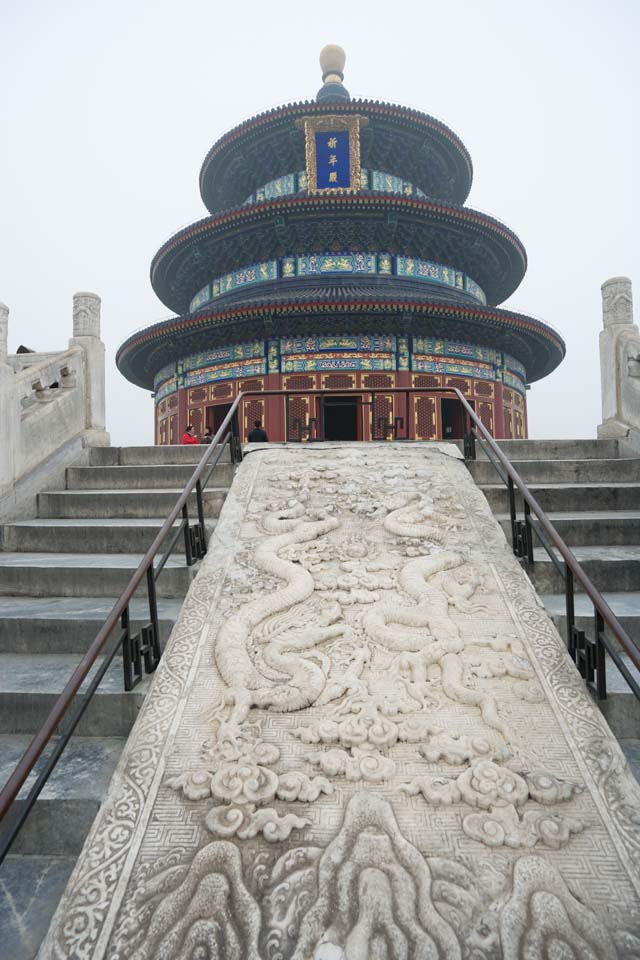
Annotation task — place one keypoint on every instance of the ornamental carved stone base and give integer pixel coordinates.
(365, 740)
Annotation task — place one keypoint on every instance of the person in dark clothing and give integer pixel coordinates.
(258, 435)
(208, 436)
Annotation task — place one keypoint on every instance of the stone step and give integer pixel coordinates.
(64, 811)
(29, 686)
(626, 607)
(147, 477)
(30, 888)
(85, 575)
(143, 456)
(590, 527)
(86, 535)
(621, 707)
(556, 498)
(38, 625)
(122, 504)
(556, 449)
(563, 471)
(609, 569)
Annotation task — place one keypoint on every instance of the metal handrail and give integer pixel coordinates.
(551, 540)
(60, 709)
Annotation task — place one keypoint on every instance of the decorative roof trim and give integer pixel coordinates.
(341, 202)
(433, 308)
(300, 107)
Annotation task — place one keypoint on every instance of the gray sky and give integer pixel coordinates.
(108, 109)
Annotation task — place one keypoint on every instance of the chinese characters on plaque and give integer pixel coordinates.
(333, 153)
(332, 160)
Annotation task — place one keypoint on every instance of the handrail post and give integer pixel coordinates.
(152, 652)
(236, 447)
(512, 512)
(469, 440)
(570, 609)
(600, 662)
(528, 531)
(127, 661)
(187, 535)
(200, 506)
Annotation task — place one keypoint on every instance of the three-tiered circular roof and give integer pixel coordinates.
(410, 205)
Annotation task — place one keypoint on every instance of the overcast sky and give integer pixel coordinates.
(107, 110)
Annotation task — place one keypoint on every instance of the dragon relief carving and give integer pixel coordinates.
(366, 650)
(343, 613)
(375, 633)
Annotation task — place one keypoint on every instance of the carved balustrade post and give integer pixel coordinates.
(619, 348)
(86, 334)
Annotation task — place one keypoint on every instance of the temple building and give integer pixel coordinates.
(337, 270)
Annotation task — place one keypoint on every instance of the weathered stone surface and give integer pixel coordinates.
(365, 740)
(52, 408)
(619, 364)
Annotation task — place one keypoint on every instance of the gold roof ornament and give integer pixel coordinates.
(332, 61)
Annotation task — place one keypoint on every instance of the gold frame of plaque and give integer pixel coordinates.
(331, 124)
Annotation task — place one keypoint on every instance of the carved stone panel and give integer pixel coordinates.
(365, 740)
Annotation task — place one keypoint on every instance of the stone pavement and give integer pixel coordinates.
(365, 740)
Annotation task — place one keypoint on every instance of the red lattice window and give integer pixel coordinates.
(425, 418)
(252, 410)
(517, 400)
(427, 381)
(483, 389)
(173, 401)
(377, 381)
(507, 396)
(337, 381)
(196, 420)
(299, 383)
(464, 386)
(382, 413)
(508, 424)
(298, 414)
(250, 385)
(485, 412)
(173, 429)
(222, 390)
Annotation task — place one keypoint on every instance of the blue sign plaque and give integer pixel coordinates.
(332, 160)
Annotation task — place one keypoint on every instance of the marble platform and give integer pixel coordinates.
(365, 741)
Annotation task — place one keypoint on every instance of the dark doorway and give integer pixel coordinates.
(216, 415)
(340, 418)
(452, 422)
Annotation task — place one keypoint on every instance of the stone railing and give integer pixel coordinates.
(51, 409)
(619, 364)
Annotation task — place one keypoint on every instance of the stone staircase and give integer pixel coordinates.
(591, 493)
(60, 574)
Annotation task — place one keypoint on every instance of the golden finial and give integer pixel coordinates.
(332, 61)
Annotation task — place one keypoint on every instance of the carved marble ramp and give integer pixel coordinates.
(365, 740)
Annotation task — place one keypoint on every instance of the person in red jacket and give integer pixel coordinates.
(188, 437)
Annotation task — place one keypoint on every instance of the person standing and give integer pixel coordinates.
(208, 436)
(188, 435)
(258, 435)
